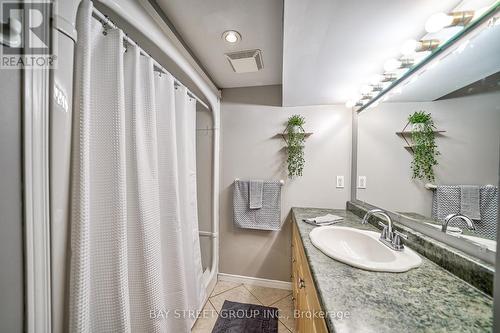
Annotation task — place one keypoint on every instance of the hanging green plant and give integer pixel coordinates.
(423, 145)
(295, 139)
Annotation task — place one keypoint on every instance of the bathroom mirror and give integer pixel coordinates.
(459, 89)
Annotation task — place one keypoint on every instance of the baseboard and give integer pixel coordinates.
(255, 281)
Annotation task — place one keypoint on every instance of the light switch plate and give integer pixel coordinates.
(340, 181)
(362, 182)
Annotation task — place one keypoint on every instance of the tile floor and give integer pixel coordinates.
(243, 293)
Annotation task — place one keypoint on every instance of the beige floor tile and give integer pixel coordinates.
(222, 286)
(205, 323)
(268, 296)
(238, 294)
(285, 307)
(282, 328)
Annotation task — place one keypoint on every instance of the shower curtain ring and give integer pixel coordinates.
(105, 25)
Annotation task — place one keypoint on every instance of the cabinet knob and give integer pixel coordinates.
(302, 283)
(294, 260)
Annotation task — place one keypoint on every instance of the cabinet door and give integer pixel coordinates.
(306, 298)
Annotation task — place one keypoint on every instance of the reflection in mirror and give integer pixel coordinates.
(430, 151)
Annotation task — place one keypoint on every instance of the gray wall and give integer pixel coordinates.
(250, 148)
(11, 222)
(469, 150)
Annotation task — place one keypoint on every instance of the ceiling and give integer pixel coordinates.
(201, 24)
(322, 50)
(332, 47)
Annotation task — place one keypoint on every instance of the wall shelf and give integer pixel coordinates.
(403, 133)
(284, 136)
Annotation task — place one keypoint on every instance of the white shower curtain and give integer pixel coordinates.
(135, 251)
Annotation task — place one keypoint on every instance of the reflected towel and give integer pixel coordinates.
(487, 227)
(446, 201)
(255, 195)
(469, 201)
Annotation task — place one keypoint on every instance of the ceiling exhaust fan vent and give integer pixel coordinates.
(245, 61)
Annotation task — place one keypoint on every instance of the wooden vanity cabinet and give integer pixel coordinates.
(309, 317)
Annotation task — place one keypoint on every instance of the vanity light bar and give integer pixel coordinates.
(389, 77)
(406, 62)
(439, 21)
(411, 46)
(394, 67)
(461, 18)
(366, 96)
(427, 45)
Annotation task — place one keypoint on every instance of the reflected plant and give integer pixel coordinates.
(295, 139)
(424, 146)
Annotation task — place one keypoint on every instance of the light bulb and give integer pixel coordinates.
(367, 96)
(375, 79)
(389, 77)
(231, 36)
(350, 104)
(365, 89)
(391, 65)
(378, 87)
(409, 47)
(437, 22)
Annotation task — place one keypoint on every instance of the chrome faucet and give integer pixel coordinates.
(388, 237)
(452, 217)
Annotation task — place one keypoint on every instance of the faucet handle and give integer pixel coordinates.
(385, 230)
(400, 234)
(396, 241)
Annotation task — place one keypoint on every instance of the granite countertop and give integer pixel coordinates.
(425, 299)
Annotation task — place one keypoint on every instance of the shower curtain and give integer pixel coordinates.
(135, 251)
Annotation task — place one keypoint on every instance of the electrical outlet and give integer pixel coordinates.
(362, 182)
(340, 181)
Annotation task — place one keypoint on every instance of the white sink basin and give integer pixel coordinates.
(362, 249)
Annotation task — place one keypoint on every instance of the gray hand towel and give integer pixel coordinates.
(255, 195)
(487, 227)
(446, 201)
(266, 218)
(469, 201)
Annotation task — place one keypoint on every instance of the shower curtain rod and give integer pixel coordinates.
(107, 22)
